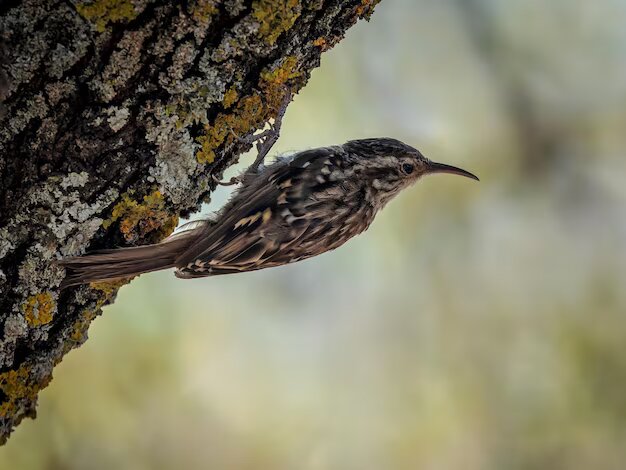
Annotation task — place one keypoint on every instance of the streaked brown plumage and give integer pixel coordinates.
(295, 208)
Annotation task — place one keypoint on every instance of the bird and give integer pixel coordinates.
(296, 207)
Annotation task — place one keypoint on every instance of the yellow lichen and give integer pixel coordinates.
(366, 8)
(109, 288)
(137, 218)
(275, 17)
(203, 10)
(280, 75)
(230, 97)
(103, 12)
(251, 111)
(39, 309)
(80, 327)
(19, 386)
(78, 333)
(321, 43)
(279, 80)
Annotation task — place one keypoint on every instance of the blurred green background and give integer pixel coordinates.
(474, 326)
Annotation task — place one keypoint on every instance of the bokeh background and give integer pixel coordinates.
(474, 326)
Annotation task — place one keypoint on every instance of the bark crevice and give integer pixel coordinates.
(115, 115)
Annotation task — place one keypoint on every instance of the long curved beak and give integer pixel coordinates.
(434, 167)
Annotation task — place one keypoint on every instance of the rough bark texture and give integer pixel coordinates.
(115, 115)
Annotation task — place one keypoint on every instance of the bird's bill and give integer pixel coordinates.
(434, 167)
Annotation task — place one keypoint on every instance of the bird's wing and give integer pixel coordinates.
(248, 231)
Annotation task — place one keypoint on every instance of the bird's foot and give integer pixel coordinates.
(231, 182)
(264, 141)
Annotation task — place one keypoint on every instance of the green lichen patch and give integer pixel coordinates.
(181, 111)
(275, 17)
(103, 12)
(39, 309)
(143, 217)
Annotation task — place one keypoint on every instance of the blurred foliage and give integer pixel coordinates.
(475, 326)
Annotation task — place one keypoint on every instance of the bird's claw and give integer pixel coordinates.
(264, 141)
(231, 182)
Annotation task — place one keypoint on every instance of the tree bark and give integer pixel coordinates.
(116, 115)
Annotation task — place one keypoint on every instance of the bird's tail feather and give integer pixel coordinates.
(109, 265)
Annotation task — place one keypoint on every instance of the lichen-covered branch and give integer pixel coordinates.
(115, 116)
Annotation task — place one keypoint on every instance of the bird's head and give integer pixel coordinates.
(389, 165)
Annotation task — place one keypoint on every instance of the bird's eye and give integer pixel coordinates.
(407, 168)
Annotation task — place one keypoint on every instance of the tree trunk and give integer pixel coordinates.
(115, 118)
